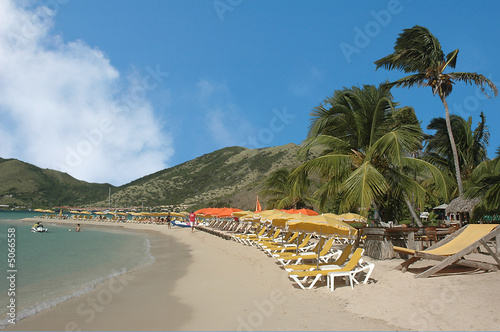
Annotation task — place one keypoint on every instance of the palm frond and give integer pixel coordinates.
(364, 185)
(329, 143)
(415, 50)
(451, 59)
(477, 79)
(440, 180)
(397, 143)
(409, 81)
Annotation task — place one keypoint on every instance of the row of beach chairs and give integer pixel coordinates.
(307, 258)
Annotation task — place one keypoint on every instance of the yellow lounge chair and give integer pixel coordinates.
(288, 238)
(266, 239)
(452, 249)
(301, 277)
(339, 261)
(243, 238)
(324, 255)
(291, 249)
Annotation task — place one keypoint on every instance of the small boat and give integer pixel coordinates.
(180, 223)
(39, 229)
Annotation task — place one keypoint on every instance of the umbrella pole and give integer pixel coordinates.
(319, 248)
(297, 247)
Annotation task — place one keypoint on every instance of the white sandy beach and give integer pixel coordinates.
(228, 286)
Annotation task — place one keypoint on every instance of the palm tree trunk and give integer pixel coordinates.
(453, 147)
(412, 211)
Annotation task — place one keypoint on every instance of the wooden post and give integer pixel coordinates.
(497, 239)
(411, 241)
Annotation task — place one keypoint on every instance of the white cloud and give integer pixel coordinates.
(64, 106)
(224, 122)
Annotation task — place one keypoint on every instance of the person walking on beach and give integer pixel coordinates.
(169, 221)
(192, 219)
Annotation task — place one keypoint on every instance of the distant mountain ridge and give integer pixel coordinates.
(23, 184)
(231, 176)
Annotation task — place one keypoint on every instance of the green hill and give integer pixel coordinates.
(231, 176)
(228, 177)
(23, 184)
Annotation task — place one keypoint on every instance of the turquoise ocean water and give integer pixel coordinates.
(60, 264)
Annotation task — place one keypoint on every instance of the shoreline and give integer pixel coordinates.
(223, 285)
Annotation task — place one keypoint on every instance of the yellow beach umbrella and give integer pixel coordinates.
(269, 215)
(342, 227)
(177, 214)
(352, 217)
(242, 214)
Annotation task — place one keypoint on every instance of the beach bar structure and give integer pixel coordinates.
(459, 210)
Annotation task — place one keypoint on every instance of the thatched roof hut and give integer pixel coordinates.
(460, 205)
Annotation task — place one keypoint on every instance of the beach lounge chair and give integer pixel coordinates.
(291, 249)
(267, 239)
(301, 277)
(324, 255)
(453, 248)
(288, 238)
(350, 276)
(344, 255)
(243, 237)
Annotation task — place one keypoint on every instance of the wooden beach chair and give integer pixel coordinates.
(301, 277)
(453, 248)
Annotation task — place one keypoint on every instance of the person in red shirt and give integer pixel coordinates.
(192, 220)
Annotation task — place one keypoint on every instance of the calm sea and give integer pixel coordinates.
(60, 264)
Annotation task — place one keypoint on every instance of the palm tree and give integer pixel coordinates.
(366, 150)
(485, 183)
(471, 144)
(283, 192)
(417, 51)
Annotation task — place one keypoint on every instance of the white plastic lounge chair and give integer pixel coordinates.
(301, 277)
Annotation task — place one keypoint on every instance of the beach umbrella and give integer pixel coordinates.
(301, 211)
(242, 214)
(352, 217)
(177, 214)
(264, 214)
(203, 211)
(343, 228)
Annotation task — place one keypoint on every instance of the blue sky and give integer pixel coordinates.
(110, 91)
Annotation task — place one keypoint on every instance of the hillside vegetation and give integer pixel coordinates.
(23, 184)
(231, 176)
